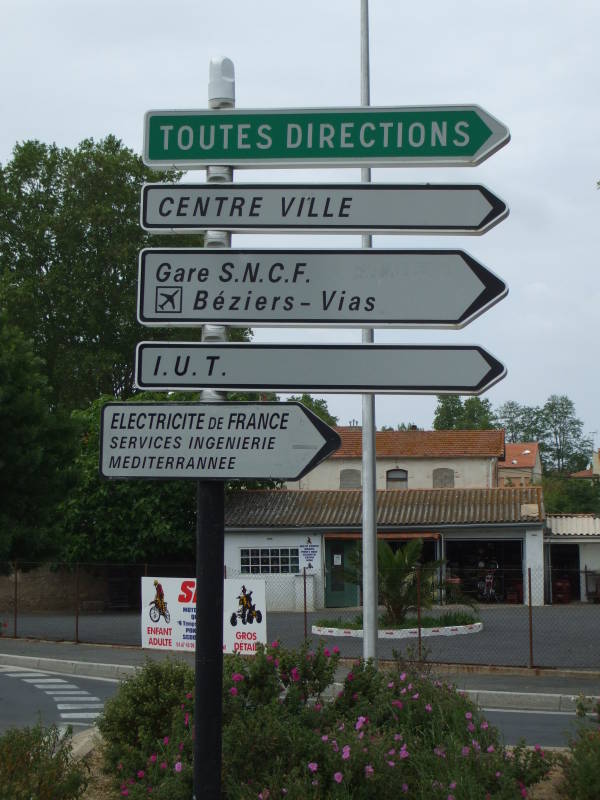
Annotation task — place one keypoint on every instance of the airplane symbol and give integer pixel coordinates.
(168, 300)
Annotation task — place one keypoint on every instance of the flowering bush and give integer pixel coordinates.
(38, 762)
(383, 736)
(581, 767)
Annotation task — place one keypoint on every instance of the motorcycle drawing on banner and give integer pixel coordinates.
(246, 610)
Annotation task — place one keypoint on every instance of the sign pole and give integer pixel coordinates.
(210, 531)
(210, 543)
(369, 511)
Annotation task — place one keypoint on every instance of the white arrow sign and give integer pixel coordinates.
(378, 368)
(325, 208)
(221, 441)
(348, 288)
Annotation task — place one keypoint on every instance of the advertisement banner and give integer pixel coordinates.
(168, 620)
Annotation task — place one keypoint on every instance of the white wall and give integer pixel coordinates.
(284, 591)
(469, 473)
(589, 558)
(533, 557)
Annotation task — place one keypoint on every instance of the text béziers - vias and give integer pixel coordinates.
(270, 274)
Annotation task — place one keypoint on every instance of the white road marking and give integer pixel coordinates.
(66, 692)
(44, 680)
(80, 706)
(80, 715)
(26, 674)
(530, 711)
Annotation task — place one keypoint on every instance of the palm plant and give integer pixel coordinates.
(398, 577)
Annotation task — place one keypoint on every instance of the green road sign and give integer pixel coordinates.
(322, 137)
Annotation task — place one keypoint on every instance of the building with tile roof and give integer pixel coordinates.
(269, 531)
(412, 460)
(521, 465)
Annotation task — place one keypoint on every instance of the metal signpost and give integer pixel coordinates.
(322, 137)
(212, 441)
(375, 368)
(217, 441)
(346, 288)
(324, 208)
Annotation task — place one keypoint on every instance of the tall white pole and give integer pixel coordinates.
(369, 486)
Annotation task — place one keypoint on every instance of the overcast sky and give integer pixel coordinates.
(73, 69)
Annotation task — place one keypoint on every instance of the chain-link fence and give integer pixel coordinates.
(528, 619)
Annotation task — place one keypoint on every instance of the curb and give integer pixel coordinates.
(401, 633)
(86, 669)
(84, 742)
(518, 701)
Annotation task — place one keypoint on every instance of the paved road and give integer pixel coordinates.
(546, 728)
(28, 696)
(563, 636)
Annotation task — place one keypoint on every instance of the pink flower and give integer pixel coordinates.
(470, 727)
(189, 696)
(350, 677)
(484, 725)
(295, 674)
(428, 708)
(465, 751)
(397, 737)
(368, 770)
(233, 691)
(346, 752)
(163, 765)
(178, 766)
(403, 678)
(397, 703)
(125, 792)
(324, 738)
(326, 653)
(468, 715)
(415, 696)
(275, 644)
(153, 758)
(338, 777)
(391, 763)
(405, 788)
(490, 748)
(236, 677)
(313, 766)
(391, 685)
(186, 719)
(336, 650)
(141, 773)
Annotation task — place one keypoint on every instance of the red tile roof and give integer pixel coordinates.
(424, 444)
(519, 455)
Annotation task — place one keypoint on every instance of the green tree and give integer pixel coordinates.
(124, 521)
(477, 415)
(451, 414)
(69, 244)
(448, 412)
(38, 446)
(565, 448)
(318, 407)
(563, 495)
